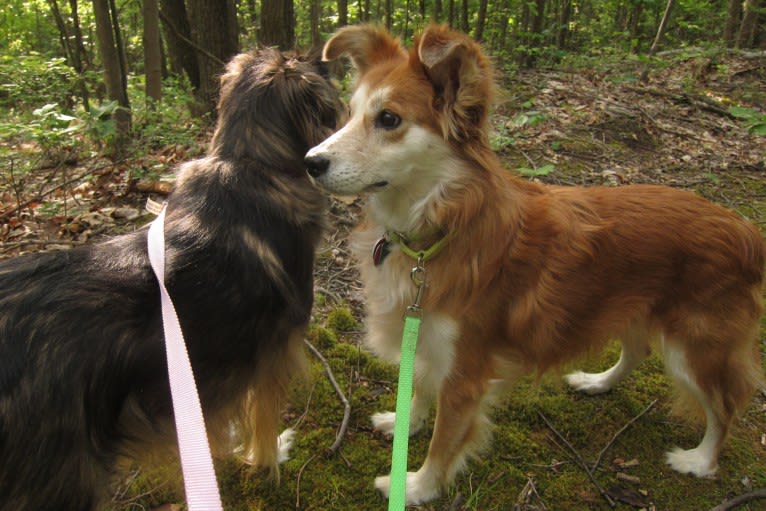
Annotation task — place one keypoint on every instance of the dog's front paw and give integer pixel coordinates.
(420, 487)
(284, 444)
(589, 383)
(384, 422)
(693, 461)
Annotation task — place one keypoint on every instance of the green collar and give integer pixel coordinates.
(422, 255)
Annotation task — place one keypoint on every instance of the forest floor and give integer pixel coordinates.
(589, 125)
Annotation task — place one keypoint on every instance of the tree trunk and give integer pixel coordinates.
(342, 13)
(316, 36)
(119, 45)
(389, 14)
(733, 15)
(152, 53)
(278, 24)
(437, 10)
(634, 25)
(536, 39)
(566, 17)
(481, 20)
(451, 13)
(663, 26)
(746, 34)
(113, 78)
(216, 37)
(464, 16)
(80, 57)
(63, 31)
(183, 57)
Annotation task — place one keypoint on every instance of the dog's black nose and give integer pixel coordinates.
(316, 165)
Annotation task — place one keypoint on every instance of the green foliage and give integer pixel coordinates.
(28, 81)
(754, 121)
(164, 123)
(537, 171)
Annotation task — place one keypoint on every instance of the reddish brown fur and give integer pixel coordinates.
(536, 275)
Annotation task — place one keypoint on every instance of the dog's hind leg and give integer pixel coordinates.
(722, 381)
(260, 415)
(702, 460)
(635, 348)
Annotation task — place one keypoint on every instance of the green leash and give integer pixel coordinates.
(397, 497)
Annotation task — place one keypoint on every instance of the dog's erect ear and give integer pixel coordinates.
(364, 44)
(462, 78)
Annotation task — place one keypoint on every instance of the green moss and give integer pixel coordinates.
(321, 337)
(342, 320)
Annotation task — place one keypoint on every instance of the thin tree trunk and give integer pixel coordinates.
(119, 45)
(389, 14)
(183, 57)
(733, 15)
(63, 31)
(80, 57)
(152, 53)
(437, 10)
(746, 34)
(481, 20)
(663, 26)
(566, 17)
(112, 68)
(316, 37)
(342, 13)
(464, 16)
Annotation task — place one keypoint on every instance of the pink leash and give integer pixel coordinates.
(196, 462)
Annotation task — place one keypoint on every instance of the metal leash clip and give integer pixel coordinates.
(418, 276)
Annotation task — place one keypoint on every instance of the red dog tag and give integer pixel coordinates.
(379, 251)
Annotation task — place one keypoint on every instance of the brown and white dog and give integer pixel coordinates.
(530, 275)
(83, 373)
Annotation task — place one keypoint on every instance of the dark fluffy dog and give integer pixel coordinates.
(83, 378)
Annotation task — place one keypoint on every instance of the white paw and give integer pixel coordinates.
(384, 422)
(284, 444)
(589, 383)
(420, 487)
(693, 461)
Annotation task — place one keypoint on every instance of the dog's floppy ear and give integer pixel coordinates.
(462, 78)
(364, 44)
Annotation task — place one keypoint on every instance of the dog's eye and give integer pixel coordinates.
(387, 120)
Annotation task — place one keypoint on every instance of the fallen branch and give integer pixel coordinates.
(741, 499)
(622, 430)
(346, 406)
(298, 481)
(457, 503)
(698, 101)
(527, 493)
(579, 461)
(9, 245)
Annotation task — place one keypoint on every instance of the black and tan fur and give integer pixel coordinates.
(83, 378)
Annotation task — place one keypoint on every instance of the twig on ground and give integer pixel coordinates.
(741, 499)
(298, 481)
(43, 193)
(620, 432)
(306, 409)
(346, 406)
(579, 461)
(5, 246)
(527, 492)
(457, 502)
